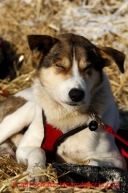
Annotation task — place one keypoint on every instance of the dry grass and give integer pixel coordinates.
(103, 22)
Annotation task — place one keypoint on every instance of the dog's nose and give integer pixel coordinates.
(76, 95)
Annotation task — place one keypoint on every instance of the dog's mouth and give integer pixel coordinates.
(75, 104)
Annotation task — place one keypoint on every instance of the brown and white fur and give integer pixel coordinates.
(69, 80)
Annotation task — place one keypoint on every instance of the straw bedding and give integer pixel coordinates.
(103, 22)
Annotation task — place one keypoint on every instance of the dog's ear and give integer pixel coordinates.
(40, 45)
(110, 54)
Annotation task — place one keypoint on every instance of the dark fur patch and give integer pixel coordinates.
(10, 105)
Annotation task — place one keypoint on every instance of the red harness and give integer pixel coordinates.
(51, 135)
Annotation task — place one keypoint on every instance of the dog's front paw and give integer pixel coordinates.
(36, 161)
(37, 174)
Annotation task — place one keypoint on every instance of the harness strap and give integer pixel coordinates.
(110, 130)
(65, 135)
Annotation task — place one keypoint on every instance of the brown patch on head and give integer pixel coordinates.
(10, 105)
(82, 63)
(63, 62)
(62, 65)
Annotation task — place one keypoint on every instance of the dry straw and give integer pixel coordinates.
(103, 22)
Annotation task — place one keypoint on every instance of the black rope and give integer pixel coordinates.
(68, 134)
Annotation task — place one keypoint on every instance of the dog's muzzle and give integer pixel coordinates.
(76, 95)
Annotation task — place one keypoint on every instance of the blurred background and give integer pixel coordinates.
(104, 22)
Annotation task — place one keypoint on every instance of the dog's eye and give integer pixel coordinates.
(87, 68)
(60, 66)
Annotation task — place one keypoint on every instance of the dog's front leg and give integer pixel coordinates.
(17, 121)
(29, 151)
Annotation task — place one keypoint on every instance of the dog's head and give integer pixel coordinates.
(70, 66)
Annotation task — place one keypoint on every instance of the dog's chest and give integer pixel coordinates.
(77, 149)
